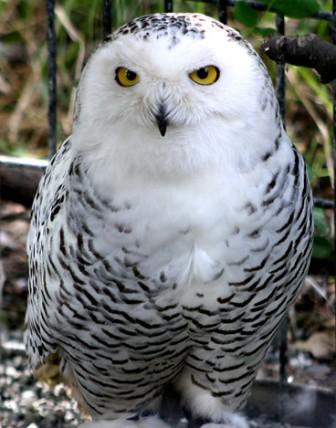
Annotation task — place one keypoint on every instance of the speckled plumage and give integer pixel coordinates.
(157, 260)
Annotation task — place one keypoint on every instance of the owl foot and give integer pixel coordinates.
(152, 422)
(204, 409)
(230, 420)
(212, 425)
(147, 422)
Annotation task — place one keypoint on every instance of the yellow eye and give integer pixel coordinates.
(126, 77)
(205, 75)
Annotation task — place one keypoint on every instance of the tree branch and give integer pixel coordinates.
(307, 51)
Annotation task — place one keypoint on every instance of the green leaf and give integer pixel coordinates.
(265, 32)
(322, 248)
(244, 13)
(294, 8)
(322, 228)
(310, 171)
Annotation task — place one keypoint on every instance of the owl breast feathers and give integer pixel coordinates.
(171, 231)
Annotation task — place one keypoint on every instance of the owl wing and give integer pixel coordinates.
(47, 204)
(271, 259)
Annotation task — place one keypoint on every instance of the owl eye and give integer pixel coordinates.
(205, 75)
(126, 77)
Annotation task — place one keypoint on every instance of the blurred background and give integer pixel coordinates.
(24, 134)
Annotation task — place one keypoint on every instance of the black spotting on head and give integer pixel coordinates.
(162, 25)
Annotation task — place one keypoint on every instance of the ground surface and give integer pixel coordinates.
(24, 403)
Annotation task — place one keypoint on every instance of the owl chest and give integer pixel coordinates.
(177, 235)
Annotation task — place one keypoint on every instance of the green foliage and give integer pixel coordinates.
(323, 247)
(245, 14)
(265, 31)
(321, 224)
(248, 16)
(294, 8)
(19, 150)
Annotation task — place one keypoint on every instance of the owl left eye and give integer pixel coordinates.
(126, 77)
(205, 75)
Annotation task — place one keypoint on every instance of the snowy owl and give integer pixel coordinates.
(171, 231)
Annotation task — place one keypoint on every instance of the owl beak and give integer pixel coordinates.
(161, 120)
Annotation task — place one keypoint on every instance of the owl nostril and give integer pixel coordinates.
(162, 90)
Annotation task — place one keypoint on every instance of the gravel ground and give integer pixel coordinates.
(25, 403)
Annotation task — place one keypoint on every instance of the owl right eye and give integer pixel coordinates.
(126, 77)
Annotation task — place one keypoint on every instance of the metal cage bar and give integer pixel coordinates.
(222, 11)
(333, 36)
(52, 77)
(168, 6)
(107, 18)
(281, 96)
(280, 71)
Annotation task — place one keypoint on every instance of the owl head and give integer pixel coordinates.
(172, 89)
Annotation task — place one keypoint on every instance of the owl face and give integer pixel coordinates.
(171, 94)
(168, 72)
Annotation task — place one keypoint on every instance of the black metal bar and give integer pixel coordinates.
(281, 94)
(283, 354)
(168, 6)
(280, 71)
(333, 27)
(333, 36)
(107, 18)
(52, 81)
(222, 11)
